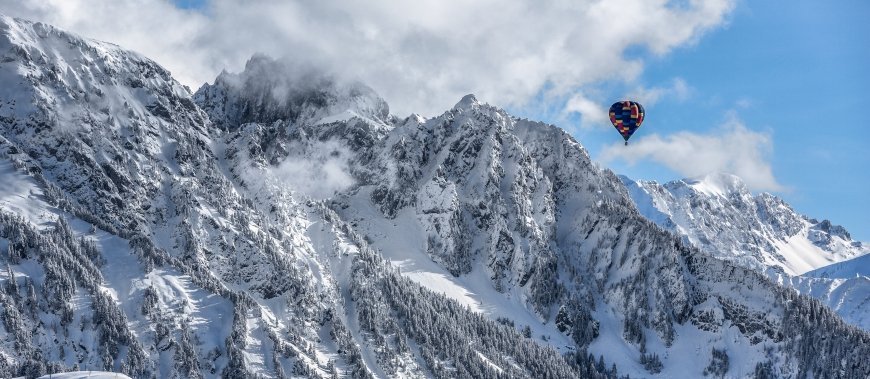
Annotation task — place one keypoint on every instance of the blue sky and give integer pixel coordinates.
(191, 4)
(798, 73)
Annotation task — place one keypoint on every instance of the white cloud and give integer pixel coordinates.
(317, 171)
(592, 113)
(678, 90)
(743, 103)
(732, 148)
(420, 55)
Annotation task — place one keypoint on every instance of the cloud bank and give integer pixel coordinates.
(677, 90)
(420, 55)
(317, 171)
(731, 149)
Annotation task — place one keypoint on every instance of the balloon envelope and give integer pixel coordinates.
(626, 116)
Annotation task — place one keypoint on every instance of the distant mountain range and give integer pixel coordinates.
(719, 215)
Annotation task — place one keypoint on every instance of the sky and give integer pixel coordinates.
(778, 84)
(770, 92)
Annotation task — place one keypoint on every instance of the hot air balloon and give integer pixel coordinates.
(626, 117)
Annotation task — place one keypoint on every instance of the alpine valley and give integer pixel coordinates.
(281, 222)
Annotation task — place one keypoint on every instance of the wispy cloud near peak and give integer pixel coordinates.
(732, 148)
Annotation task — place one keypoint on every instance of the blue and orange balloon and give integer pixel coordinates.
(626, 117)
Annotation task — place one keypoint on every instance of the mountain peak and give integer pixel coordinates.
(268, 90)
(717, 184)
(467, 102)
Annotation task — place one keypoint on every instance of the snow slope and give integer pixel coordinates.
(849, 297)
(855, 267)
(402, 243)
(124, 276)
(20, 194)
(844, 286)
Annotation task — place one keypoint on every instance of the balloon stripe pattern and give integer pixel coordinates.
(626, 116)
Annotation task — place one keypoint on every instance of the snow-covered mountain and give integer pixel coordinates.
(719, 215)
(848, 296)
(844, 286)
(131, 245)
(844, 270)
(281, 223)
